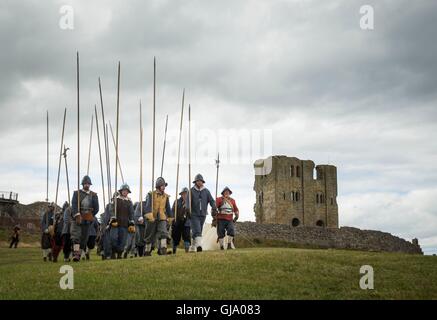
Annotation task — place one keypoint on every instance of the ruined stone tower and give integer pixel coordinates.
(295, 192)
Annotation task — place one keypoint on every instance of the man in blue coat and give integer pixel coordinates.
(200, 198)
(83, 216)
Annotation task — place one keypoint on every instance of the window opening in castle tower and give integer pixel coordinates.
(292, 196)
(332, 201)
(291, 171)
(320, 223)
(295, 222)
(298, 171)
(317, 198)
(283, 194)
(297, 196)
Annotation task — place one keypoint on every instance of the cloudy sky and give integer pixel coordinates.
(300, 78)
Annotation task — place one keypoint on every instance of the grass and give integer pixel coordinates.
(250, 273)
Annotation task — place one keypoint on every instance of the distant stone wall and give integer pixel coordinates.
(342, 238)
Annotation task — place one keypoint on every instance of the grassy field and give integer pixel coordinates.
(258, 273)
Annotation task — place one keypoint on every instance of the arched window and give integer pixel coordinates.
(295, 222)
(292, 171)
(298, 171)
(317, 198)
(320, 223)
(283, 194)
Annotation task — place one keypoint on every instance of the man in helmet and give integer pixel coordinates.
(200, 198)
(83, 216)
(47, 221)
(124, 217)
(225, 220)
(157, 217)
(181, 224)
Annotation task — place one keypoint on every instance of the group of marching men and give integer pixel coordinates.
(136, 229)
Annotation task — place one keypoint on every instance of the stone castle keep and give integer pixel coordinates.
(295, 192)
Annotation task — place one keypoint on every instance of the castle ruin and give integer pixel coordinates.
(295, 192)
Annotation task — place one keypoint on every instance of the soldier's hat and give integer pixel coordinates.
(86, 180)
(160, 182)
(184, 189)
(226, 189)
(124, 186)
(198, 177)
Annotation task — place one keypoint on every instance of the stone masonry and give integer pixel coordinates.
(295, 192)
(316, 237)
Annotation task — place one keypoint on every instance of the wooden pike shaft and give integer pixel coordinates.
(189, 154)
(66, 174)
(100, 156)
(116, 136)
(153, 128)
(105, 133)
(89, 147)
(108, 164)
(78, 134)
(217, 163)
(179, 154)
(60, 156)
(141, 159)
(118, 157)
(47, 173)
(163, 148)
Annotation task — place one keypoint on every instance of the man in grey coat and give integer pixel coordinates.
(200, 198)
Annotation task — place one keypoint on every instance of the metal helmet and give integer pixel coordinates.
(86, 180)
(184, 189)
(124, 186)
(226, 189)
(198, 177)
(160, 182)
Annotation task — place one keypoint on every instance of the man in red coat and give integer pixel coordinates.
(225, 219)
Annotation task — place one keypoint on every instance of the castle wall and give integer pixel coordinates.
(337, 238)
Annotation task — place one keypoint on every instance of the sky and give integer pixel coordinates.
(296, 78)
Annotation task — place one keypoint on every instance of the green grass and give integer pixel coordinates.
(251, 273)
